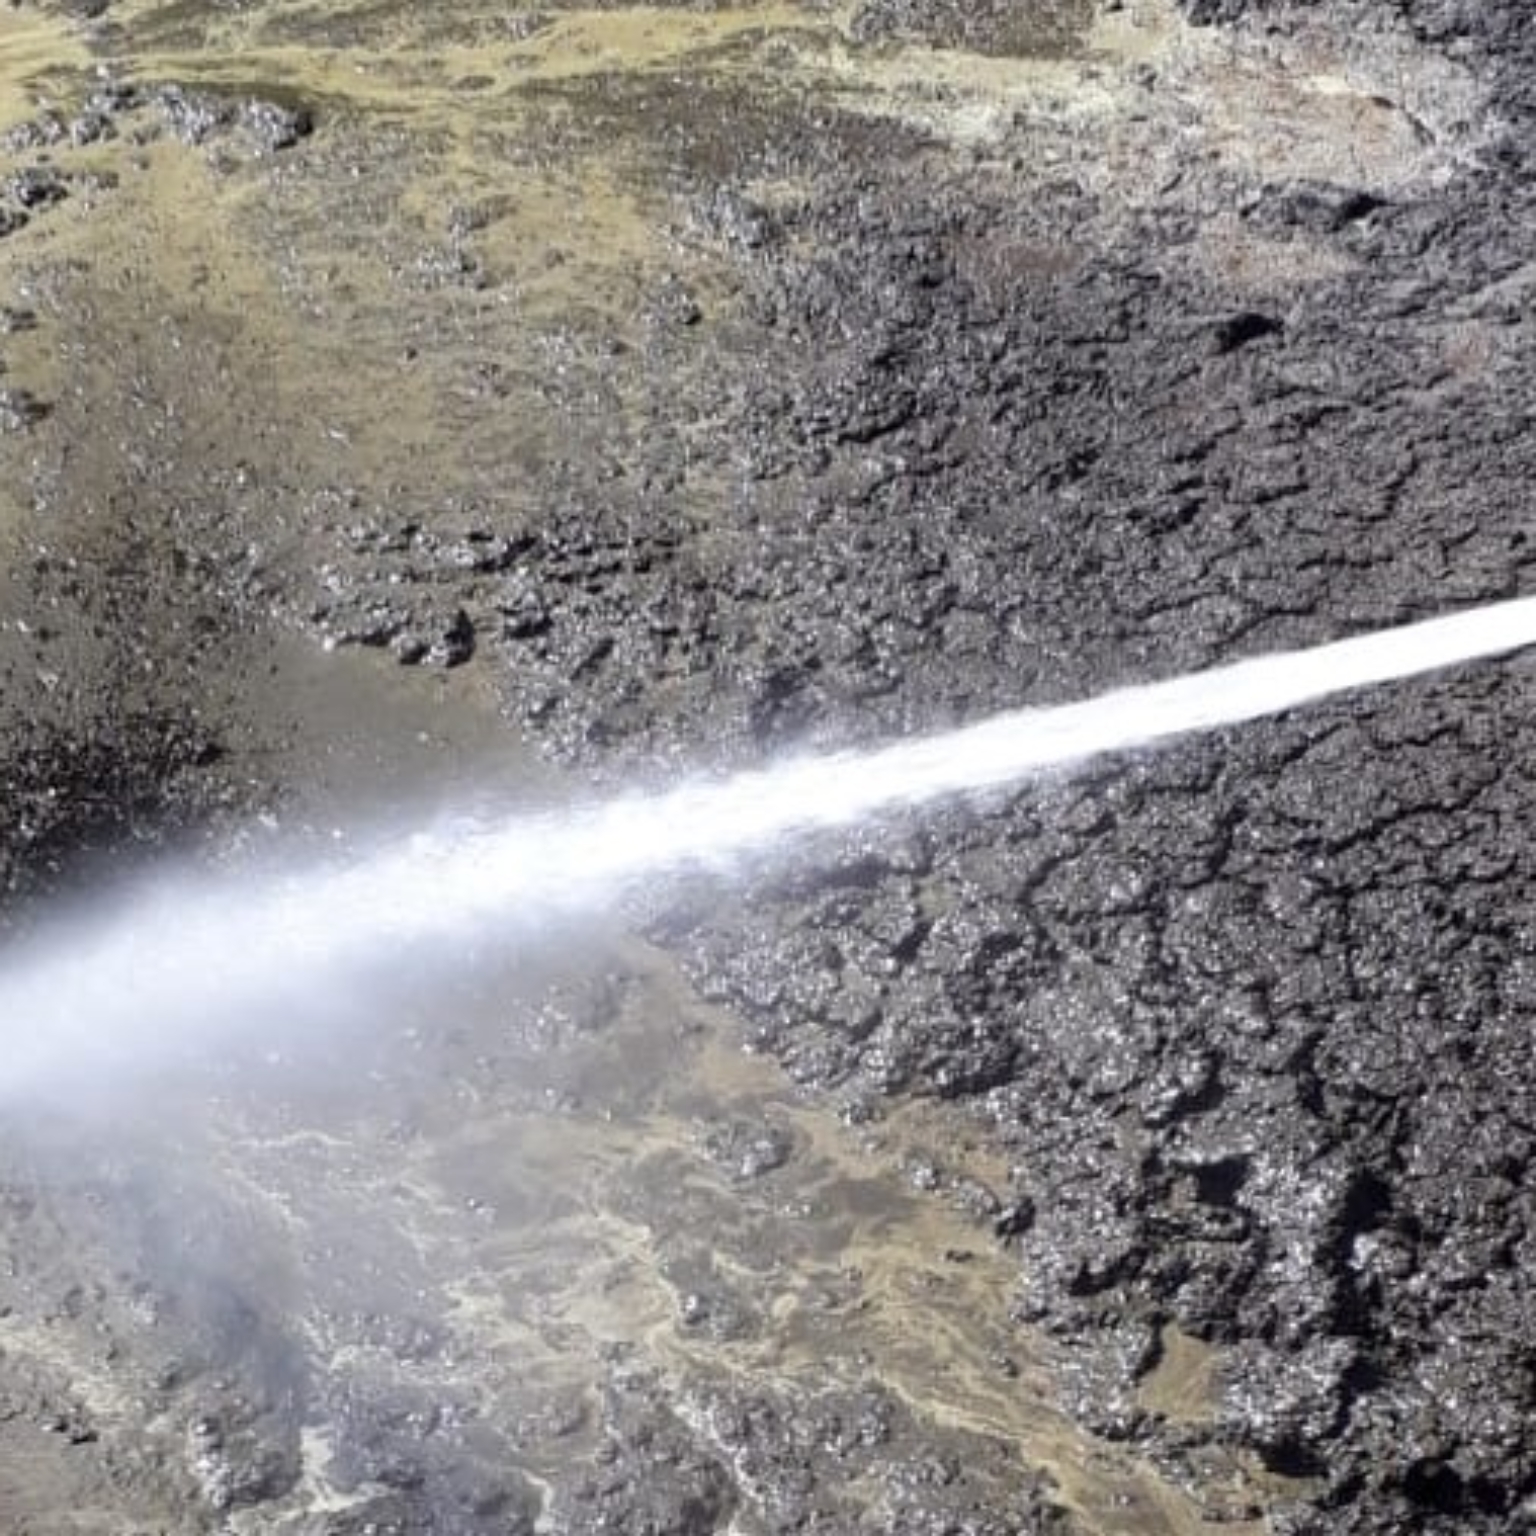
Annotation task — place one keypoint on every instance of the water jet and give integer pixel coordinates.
(181, 959)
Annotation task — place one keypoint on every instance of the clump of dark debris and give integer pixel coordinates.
(74, 800)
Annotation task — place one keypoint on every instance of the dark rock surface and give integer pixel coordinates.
(993, 27)
(965, 426)
(1254, 1017)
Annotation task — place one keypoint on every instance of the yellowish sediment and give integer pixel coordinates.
(600, 1221)
(39, 57)
(1182, 1386)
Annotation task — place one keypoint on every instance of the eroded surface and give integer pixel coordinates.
(698, 380)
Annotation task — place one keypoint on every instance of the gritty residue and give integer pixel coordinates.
(673, 386)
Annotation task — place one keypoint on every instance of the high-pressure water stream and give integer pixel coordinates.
(185, 959)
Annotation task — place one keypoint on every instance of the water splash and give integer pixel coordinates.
(192, 959)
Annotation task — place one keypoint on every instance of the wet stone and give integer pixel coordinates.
(242, 1461)
(672, 303)
(748, 1151)
(998, 27)
(453, 644)
(524, 611)
(40, 132)
(191, 116)
(273, 127)
(261, 126)
(373, 624)
(36, 187)
(20, 409)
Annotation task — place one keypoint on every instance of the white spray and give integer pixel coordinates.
(193, 958)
